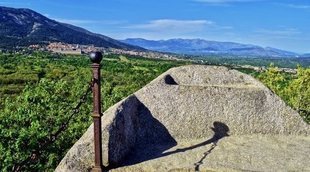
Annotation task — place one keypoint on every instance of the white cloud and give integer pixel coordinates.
(285, 32)
(74, 21)
(85, 22)
(172, 25)
(297, 6)
(170, 28)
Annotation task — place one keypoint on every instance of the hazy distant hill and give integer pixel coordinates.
(202, 47)
(306, 55)
(22, 27)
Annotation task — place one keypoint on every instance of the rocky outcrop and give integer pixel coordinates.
(186, 109)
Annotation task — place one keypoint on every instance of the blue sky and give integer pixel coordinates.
(283, 24)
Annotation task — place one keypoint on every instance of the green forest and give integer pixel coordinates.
(39, 92)
(255, 61)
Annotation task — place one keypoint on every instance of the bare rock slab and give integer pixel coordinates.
(195, 116)
(234, 153)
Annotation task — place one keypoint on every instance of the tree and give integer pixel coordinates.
(273, 79)
(27, 124)
(298, 93)
(294, 90)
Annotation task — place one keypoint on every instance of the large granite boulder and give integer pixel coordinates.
(169, 123)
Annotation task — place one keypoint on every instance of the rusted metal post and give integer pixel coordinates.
(96, 58)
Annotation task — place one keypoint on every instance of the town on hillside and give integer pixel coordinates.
(65, 48)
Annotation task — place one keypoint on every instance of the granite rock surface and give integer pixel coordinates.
(172, 122)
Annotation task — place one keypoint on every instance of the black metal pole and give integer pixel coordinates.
(96, 58)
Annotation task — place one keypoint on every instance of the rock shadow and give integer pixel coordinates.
(153, 139)
(170, 80)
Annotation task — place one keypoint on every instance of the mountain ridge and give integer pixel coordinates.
(206, 47)
(23, 27)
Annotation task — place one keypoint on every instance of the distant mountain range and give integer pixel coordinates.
(23, 27)
(204, 47)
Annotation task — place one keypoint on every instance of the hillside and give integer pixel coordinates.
(204, 47)
(23, 27)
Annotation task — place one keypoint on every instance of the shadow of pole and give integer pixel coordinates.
(220, 130)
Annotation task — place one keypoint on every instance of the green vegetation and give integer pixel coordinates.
(279, 62)
(293, 89)
(39, 90)
(38, 93)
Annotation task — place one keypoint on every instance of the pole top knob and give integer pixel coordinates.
(95, 57)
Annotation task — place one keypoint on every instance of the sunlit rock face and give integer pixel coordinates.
(169, 123)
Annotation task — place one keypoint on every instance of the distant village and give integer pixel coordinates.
(64, 48)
